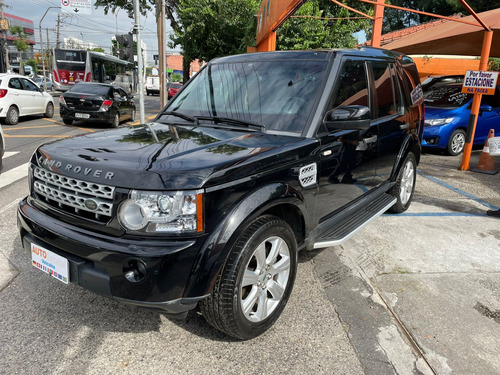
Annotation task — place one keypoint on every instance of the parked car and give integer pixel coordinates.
(153, 85)
(2, 147)
(40, 82)
(441, 81)
(20, 96)
(173, 89)
(447, 112)
(208, 205)
(96, 102)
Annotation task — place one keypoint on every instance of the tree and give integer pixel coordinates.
(34, 64)
(213, 28)
(97, 49)
(21, 43)
(322, 24)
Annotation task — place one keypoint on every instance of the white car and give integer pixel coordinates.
(20, 96)
(2, 147)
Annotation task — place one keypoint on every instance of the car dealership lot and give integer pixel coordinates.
(410, 292)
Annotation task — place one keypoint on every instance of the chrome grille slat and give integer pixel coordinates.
(89, 188)
(65, 193)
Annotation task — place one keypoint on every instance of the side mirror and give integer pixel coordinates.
(348, 117)
(41, 89)
(485, 108)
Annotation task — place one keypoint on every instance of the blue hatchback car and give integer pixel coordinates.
(447, 112)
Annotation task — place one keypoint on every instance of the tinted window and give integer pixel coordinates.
(352, 85)
(493, 100)
(88, 88)
(15, 83)
(384, 89)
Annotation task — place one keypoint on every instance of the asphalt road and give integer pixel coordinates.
(415, 293)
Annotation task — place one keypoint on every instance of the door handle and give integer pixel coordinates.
(404, 126)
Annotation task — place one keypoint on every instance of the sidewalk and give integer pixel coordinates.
(420, 291)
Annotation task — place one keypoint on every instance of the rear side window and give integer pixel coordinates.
(352, 85)
(384, 88)
(15, 83)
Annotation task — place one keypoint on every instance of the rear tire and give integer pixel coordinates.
(253, 288)
(456, 143)
(405, 185)
(116, 120)
(12, 117)
(49, 110)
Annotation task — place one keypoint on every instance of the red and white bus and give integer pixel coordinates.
(71, 66)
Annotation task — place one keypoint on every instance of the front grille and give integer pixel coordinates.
(87, 199)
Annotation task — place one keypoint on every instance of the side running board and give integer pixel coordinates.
(345, 228)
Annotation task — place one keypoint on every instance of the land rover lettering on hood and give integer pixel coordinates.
(257, 157)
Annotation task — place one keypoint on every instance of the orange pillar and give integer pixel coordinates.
(476, 102)
(268, 43)
(378, 18)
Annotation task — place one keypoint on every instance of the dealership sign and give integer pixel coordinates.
(479, 82)
(76, 6)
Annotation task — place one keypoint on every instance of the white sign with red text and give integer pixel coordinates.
(76, 6)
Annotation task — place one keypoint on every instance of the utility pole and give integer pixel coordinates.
(160, 21)
(137, 31)
(41, 44)
(4, 46)
(58, 26)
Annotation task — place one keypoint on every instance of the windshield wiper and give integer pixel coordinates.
(231, 121)
(181, 115)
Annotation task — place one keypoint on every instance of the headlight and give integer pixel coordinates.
(439, 121)
(166, 212)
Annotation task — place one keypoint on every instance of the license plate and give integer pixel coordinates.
(82, 115)
(51, 263)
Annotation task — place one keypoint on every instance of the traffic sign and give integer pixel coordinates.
(76, 6)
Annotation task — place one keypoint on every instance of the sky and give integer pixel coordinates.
(97, 27)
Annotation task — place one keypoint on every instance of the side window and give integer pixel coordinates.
(384, 89)
(493, 100)
(15, 83)
(352, 85)
(116, 93)
(28, 85)
(123, 94)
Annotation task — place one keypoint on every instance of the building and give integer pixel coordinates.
(9, 39)
(174, 64)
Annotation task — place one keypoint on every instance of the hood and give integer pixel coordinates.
(441, 112)
(184, 157)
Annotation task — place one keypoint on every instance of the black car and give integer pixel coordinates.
(259, 156)
(96, 102)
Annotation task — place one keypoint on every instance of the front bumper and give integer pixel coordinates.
(98, 262)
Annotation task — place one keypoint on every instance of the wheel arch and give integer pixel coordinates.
(411, 144)
(280, 200)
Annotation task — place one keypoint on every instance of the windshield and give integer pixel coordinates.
(449, 96)
(277, 94)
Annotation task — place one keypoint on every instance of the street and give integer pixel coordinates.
(415, 293)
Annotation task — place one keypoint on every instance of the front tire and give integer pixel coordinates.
(456, 143)
(254, 286)
(67, 121)
(12, 117)
(49, 110)
(405, 185)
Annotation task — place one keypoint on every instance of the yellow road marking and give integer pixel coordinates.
(30, 127)
(36, 136)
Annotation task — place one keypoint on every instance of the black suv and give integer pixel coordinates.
(257, 157)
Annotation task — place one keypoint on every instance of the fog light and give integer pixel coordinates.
(135, 270)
